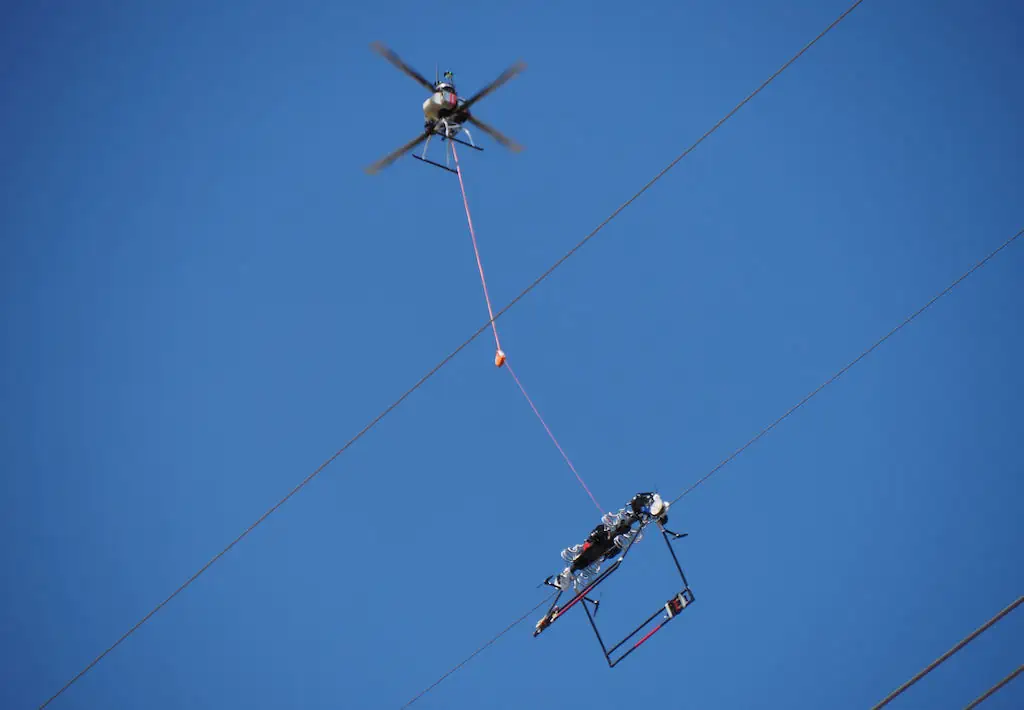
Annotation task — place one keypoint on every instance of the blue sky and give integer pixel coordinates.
(205, 297)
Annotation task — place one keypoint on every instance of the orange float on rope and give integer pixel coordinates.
(499, 358)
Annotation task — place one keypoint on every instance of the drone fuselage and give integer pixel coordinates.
(442, 103)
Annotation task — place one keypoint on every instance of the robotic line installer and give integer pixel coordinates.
(613, 535)
(613, 538)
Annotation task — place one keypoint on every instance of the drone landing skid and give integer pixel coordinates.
(459, 141)
(436, 165)
(446, 133)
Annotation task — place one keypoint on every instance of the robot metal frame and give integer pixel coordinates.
(672, 607)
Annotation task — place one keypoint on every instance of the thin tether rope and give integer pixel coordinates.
(853, 362)
(455, 352)
(476, 250)
(499, 358)
(552, 436)
(944, 657)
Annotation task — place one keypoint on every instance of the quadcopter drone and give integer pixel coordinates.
(445, 113)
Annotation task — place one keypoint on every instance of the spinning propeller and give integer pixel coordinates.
(383, 51)
(462, 110)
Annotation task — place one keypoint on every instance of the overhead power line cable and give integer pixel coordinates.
(452, 355)
(470, 657)
(853, 362)
(948, 654)
(992, 691)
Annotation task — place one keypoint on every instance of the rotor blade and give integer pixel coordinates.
(383, 51)
(495, 134)
(392, 157)
(505, 76)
